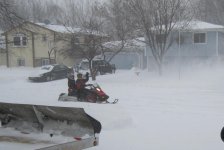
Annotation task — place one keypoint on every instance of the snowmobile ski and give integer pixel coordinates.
(114, 102)
(64, 97)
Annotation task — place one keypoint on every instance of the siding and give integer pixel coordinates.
(221, 43)
(189, 49)
(2, 59)
(128, 60)
(16, 53)
(34, 53)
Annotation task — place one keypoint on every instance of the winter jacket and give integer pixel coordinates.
(80, 83)
(71, 83)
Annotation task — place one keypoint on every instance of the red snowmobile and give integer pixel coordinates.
(92, 93)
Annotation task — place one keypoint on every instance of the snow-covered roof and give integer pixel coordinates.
(97, 57)
(130, 45)
(64, 29)
(59, 28)
(194, 25)
(198, 25)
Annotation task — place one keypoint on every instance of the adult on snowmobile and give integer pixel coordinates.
(80, 85)
(71, 85)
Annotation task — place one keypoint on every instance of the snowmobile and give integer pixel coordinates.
(93, 94)
(68, 122)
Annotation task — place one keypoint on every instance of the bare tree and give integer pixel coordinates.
(39, 10)
(119, 24)
(53, 12)
(52, 51)
(8, 16)
(90, 23)
(210, 11)
(157, 19)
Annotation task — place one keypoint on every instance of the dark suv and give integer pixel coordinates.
(100, 66)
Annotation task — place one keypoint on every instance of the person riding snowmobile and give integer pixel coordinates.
(71, 85)
(80, 85)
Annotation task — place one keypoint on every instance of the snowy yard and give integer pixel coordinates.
(153, 113)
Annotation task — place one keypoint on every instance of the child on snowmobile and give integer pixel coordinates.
(71, 85)
(80, 85)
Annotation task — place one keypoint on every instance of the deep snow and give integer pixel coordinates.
(153, 112)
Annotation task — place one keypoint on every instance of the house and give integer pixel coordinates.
(37, 44)
(198, 42)
(132, 55)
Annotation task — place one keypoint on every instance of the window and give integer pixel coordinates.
(20, 40)
(45, 62)
(57, 68)
(62, 67)
(21, 62)
(199, 38)
(44, 38)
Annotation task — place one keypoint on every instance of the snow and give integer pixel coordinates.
(28, 141)
(65, 29)
(60, 28)
(137, 44)
(168, 112)
(198, 25)
(41, 70)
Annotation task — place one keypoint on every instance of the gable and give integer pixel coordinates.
(30, 27)
(36, 28)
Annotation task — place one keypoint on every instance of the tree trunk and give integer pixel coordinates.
(49, 57)
(92, 71)
(93, 74)
(160, 67)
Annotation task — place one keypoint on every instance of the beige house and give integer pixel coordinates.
(37, 44)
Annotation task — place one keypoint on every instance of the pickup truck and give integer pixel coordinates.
(99, 65)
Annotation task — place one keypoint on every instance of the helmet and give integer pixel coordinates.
(79, 75)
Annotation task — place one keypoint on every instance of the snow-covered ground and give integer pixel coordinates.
(171, 112)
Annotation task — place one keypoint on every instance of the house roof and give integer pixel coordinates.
(64, 29)
(137, 44)
(18, 26)
(198, 25)
(61, 29)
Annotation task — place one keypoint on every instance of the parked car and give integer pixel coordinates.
(51, 72)
(99, 65)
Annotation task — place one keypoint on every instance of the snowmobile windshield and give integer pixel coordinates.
(96, 85)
